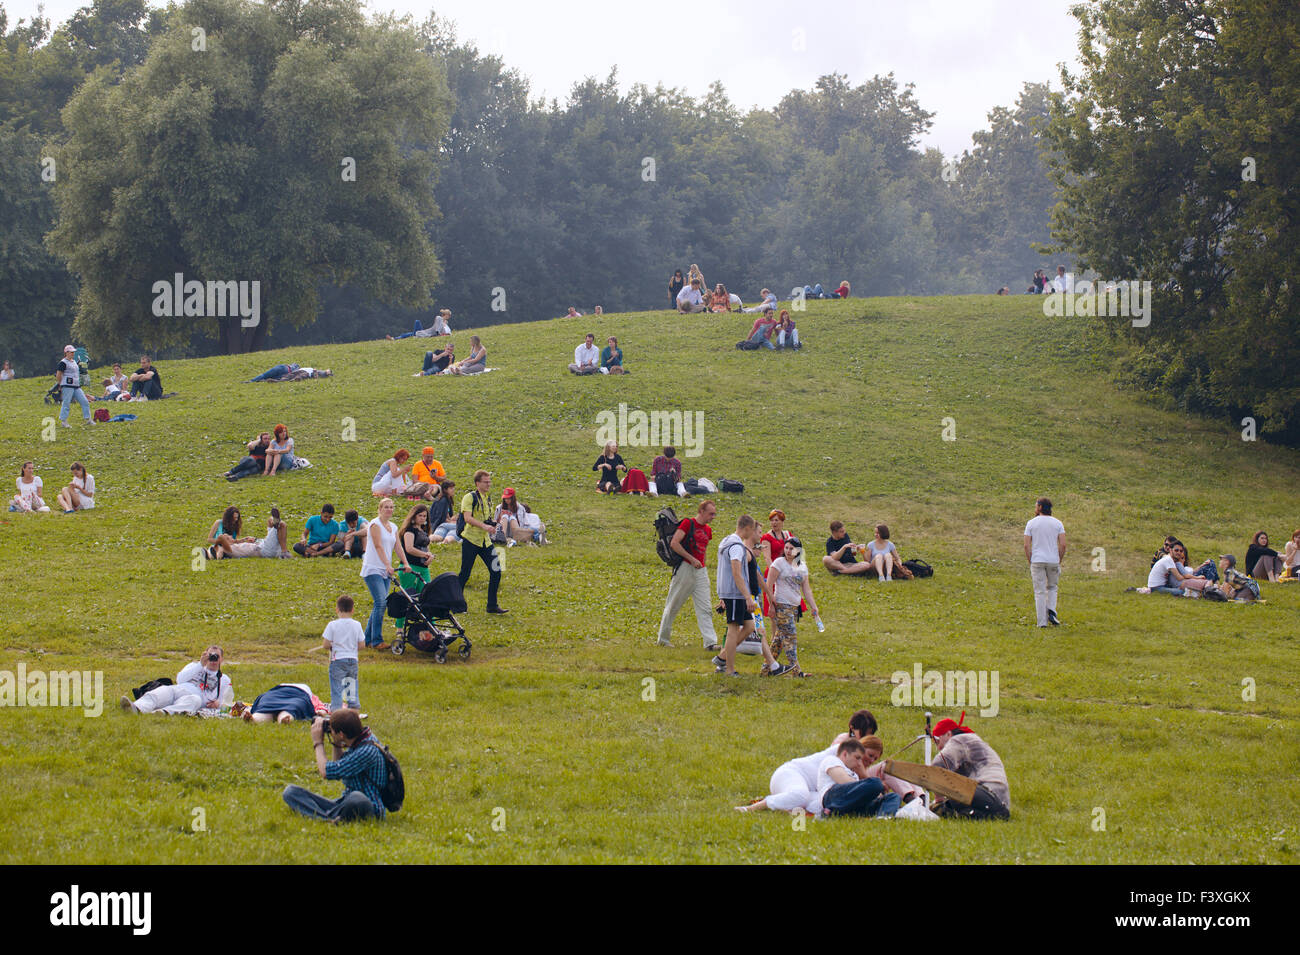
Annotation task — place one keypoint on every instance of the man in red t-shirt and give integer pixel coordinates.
(691, 578)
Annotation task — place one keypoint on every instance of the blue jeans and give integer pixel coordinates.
(1166, 589)
(352, 805)
(246, 468)
(377, 584)
(411, 334)
(814, 291)
(68, 395)
(866, 797)
(344, 693)
(286, 462)
(275, 371)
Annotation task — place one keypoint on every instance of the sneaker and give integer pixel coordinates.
(1130, 590)
(780, 669)
(664, 643)
(712, 648)
(1053, 619)
(127, 704)
(719, 662)
(497, 610)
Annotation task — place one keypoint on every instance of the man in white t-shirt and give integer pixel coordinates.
(342, 637)
(1064, 281)
(1044, 550)
(691, 298)
(586, 357)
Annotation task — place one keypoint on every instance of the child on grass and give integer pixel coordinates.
(342, 637)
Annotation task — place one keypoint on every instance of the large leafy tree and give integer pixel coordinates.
(226, 157)
(1176, 148)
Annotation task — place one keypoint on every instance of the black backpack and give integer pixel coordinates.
(460, 515)
(693, 486)
(394, 790)
(666, 524)
(919, 568)
(139, 691)
(666, 484)
(731, 487)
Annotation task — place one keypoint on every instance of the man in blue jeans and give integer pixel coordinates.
(362, 769)
(863, 797)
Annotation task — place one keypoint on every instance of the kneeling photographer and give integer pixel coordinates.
(363, 769)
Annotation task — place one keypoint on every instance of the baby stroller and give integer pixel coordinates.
(430, 625)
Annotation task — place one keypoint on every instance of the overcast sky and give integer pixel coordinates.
(964, 56)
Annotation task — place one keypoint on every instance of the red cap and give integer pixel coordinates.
(947, 725)
(510, 492)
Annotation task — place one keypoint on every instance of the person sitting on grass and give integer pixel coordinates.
(79, 495)
(1171, 575)
(586, 359)
(254, 462)
(113, 391)
(352, 535)
(426, 472)
(225, 534)
(721, 301)
(666, 474)
(437, 362)
(1236, 585)
(847, 790)
(518, 522)
(30, 488)
(1262, 561)
(611, 358)
(842, 555)
(199, 686)
(609, 464)
(787, 336)
(767, 304)
(1291, 558)
(964, 753)
(442, 516)
(391, 478)
(320, 535)
(279, 455)
(225, 542)
(358, 762)
(475, 364)
(691, 298)
(146, 381)
(761, 332)
(844, 291)
(883, 557)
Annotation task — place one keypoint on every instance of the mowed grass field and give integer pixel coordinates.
(1172, 721)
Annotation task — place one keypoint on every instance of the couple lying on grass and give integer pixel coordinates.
(848, 778)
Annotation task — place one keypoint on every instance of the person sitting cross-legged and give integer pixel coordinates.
(362, 769)
(586, 357)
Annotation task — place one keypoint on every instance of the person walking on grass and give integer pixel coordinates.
(342, 638)
(69, 375)
(377, 569)
(475, 530)
(1044, 550)
(736, 591)
(690, 580)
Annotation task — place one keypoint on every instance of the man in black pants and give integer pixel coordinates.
(961, 751)
(475, 537)
(146, 381)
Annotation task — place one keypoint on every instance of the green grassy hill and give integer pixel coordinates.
(1135, 707)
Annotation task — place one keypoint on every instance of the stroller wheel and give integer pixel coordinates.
(399, 647)
(440, 656)
(464, 651)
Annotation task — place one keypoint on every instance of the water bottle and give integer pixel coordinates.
(821, 627)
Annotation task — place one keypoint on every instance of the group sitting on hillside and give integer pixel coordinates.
(1222, 580)
(269, 453)
(768, 327)
(816, 291)
(588, 361)
(877, 558)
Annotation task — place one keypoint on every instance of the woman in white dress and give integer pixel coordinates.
(30, 487)
(79, 495)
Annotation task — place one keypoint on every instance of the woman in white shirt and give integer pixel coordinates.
(30, 487)
(392, 476)
(788, 579)
(377, 569)
(79, 495)
(7, 372)
(199, 686)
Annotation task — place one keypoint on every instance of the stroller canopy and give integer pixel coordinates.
(443, 595)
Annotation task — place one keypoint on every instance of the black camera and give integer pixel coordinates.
(214, 657)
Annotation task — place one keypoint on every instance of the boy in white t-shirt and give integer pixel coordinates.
(342, 637)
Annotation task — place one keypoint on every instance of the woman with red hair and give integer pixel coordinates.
(392, 476)
(279, 454)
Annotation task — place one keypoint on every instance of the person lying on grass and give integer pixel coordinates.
(224, 540)
(436, 362)
(283, 703)
(200, 685)
(862, 796)
(360, 765)
(794, 783)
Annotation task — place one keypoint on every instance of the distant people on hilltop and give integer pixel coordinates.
(7, 372)
(1064, 281)
(675, 285)
(1039, 284)
(441, 326)
(768, 303)
(475, 364)
(573, 313)
(845, 290)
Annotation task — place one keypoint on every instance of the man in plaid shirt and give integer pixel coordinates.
(362, 769)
